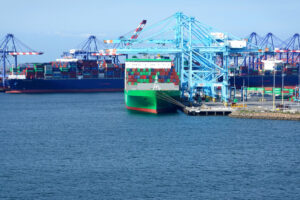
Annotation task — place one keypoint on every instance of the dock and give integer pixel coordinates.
(274, 115)
(215, 111)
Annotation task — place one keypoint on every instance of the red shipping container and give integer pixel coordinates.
(290, 87)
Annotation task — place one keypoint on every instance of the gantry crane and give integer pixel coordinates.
(121, 42)
(11, 46)
(201, 53)
(292, 49)
(124, 41)
(85, 49)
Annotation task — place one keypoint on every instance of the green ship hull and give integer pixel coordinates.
(149, 101)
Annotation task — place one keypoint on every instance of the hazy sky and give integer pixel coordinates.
(58, 25)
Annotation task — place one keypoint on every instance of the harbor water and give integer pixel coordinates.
(88, 146)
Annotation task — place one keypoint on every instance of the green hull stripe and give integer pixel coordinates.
(147, 99)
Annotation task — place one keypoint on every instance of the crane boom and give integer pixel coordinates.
(11, 46)
(135, 35)
(137, 31)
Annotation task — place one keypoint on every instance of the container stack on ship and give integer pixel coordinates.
(272, 76)
(148, 82)
(263, 76)
(67, 75)
(1, 85)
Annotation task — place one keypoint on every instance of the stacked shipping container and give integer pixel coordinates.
(135, 76)
(88, 69)
(287, 91)
(69, 70)
(39, 71)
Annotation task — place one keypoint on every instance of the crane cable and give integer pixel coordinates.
(167, 98)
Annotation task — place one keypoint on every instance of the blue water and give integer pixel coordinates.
(88, 146)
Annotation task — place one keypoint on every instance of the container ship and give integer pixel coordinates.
(239, 81)
(148, 82)
(284, 74)
(1, 85)
(66, 75)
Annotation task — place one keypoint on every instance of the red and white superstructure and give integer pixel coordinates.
(135, 35)
(286, 51)
(137, 31)
(106, 52)
(25, 53)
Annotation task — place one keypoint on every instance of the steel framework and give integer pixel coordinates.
(85, 49)
(272, 46)
(11, 46)
(269, 46)
(292, 49)
(92, 49)
(252, 60)
(200, 52)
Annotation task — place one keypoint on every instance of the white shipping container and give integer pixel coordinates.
(16, 77)
(271, 64)
(236, 44)
(72, 51)
(151, 65)
(66, 60)
(218, 35)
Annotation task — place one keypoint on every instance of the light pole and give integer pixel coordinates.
(263, 89)
(282, 86)
(274, 89)
(234, 76)
(298, 84)
(243, 93)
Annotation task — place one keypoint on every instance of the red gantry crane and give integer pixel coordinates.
(122, 41)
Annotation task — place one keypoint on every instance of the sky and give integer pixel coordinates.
(54, 26)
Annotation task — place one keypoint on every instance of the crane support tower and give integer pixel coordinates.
(269, 46)
(200, 52)
(85, 49)
(124, 41)
(11, 46)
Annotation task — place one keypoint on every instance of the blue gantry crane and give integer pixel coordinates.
(92, 49)
(270, 43)
(200, 52)
(272, 46)
(292, 49)
(11, 47)
(252, 60)
(85, 49)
